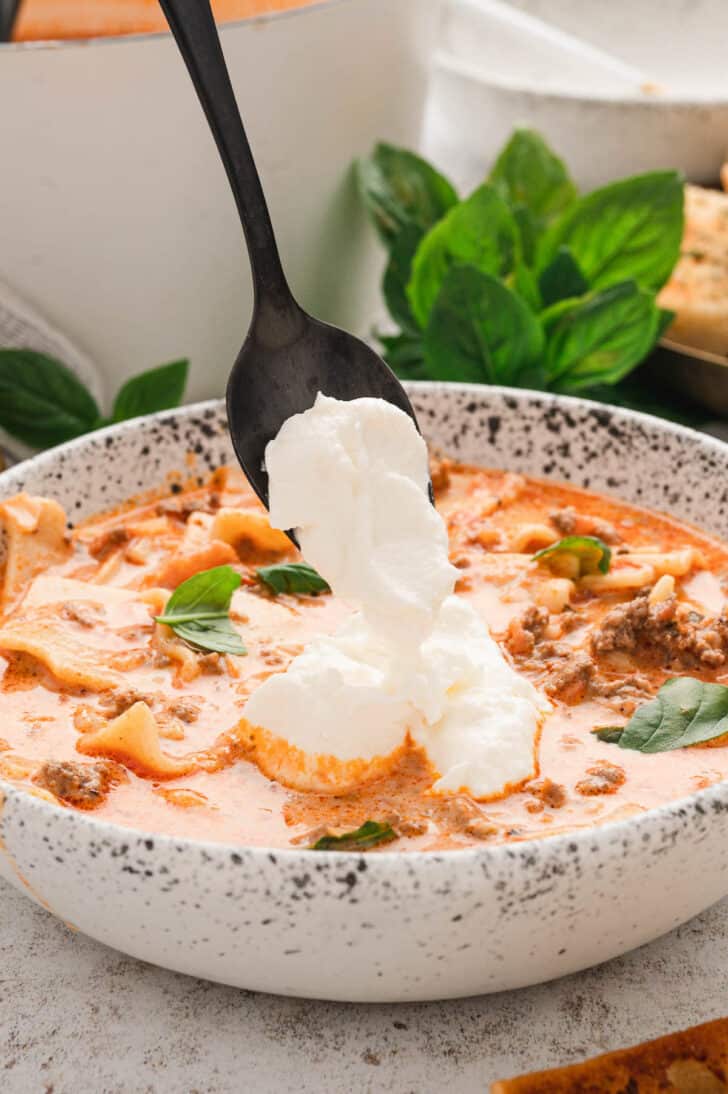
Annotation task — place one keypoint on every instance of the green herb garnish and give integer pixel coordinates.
(480, 232)
(370, 833)
(596, 339)
(609, 734)
(43, 403)
(684, 712)
(199, 611)
(524, 282)
(480, 332)
(591, 553)
(630, 229)
(293, 577)
(534, 182)
(400, 188)
(158, 389)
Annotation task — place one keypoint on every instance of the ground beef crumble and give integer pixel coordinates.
(113, 703)
(602, 778)
(572, 680)
(81, 785)
(569, 523)
(668, 630)
(82, 614)
(183, 509)
(101, 547)
(184, 709)
(525, 630)
(548, 792)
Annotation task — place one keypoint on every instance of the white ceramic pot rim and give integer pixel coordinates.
(448, 61)
(119, 39)
(711, 799)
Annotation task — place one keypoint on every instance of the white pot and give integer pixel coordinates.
(618, 106)
(116, 220)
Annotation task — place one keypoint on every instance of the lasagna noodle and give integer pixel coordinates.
(133, 740)
(72, 662)
(34, 537)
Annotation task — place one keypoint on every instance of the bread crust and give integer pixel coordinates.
(692, 1061)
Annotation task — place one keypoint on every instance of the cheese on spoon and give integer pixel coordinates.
(415, 662)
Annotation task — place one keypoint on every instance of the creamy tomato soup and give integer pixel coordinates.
(106, 710)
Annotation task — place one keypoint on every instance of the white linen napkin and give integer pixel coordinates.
(22, 327)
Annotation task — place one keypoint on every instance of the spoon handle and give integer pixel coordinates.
(193, 26)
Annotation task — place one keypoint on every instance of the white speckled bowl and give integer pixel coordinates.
(387, 926)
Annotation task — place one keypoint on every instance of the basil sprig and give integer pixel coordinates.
(368, 835)
(199, 611)
(43, 403)
(684, 712)
(292, 577)
(592, 553)
(523, 282)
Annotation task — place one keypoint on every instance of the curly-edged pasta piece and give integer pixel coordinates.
(555, 594)
(532, 537)
(49, 589)
(72, 662)
(33, 536)
(250, 528)
(676, 563)
(185, 658)
(132, 739)
(619, 579)
(662, 590)
(181, 566)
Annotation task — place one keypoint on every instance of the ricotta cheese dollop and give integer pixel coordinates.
(352, 479)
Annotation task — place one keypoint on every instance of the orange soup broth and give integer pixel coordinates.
(228, 799)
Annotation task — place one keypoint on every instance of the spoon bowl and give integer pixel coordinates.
(274, 379)
(288, 356)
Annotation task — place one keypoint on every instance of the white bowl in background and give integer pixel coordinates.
(115, 216)
(491, 77)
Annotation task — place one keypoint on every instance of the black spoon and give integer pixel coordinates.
(8, 15)
(288, 356)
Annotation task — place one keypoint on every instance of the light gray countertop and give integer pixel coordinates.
(75, 1015)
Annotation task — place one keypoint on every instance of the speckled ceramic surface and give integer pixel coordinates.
(387, 926)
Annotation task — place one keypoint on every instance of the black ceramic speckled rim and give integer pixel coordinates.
(713, 798)
(665, 864)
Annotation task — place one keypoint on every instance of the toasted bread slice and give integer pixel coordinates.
(694, 1061)
(698, 289)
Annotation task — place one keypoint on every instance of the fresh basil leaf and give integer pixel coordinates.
(479, 331)
(42, 402)
(665, 321)
(534, 181)
(562, 279)
(397, 276)
(600, 338)
(630, 229)
(199, 611)
(400, 188)
(293, 577)
(479, 232)
(684, 712)
(592, 553)
(611, 735)
(157, 389)
(523, 281)
(527, 172)
(404, 354)
(369, 834)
